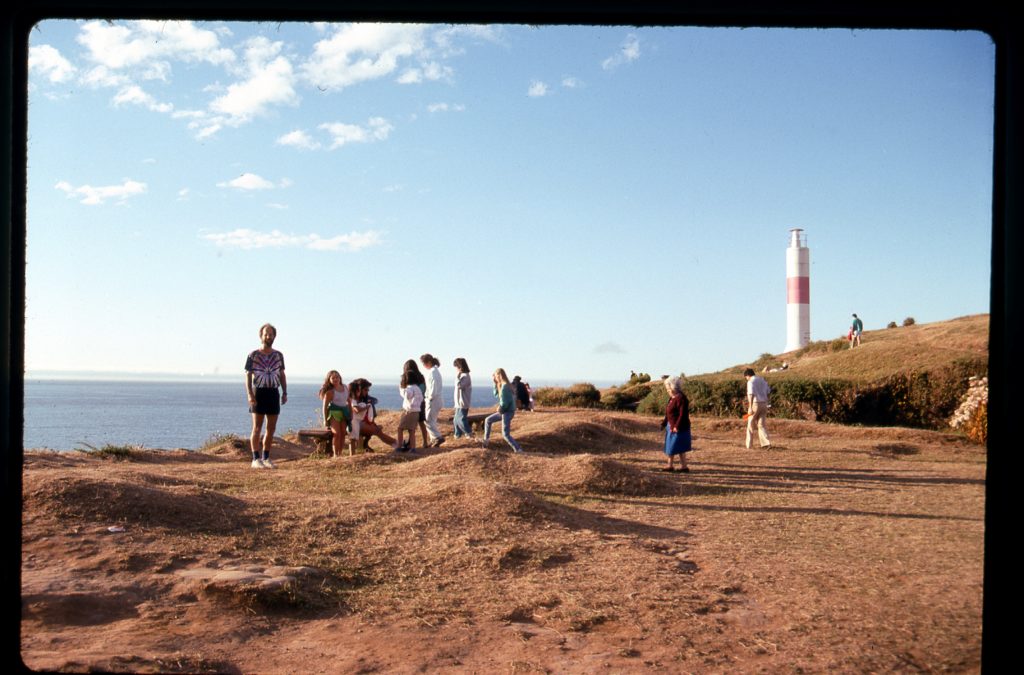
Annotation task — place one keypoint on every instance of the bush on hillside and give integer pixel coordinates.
(909, 321)
(638, 378)
(654, 403)
(581, 395)
(892, 324)
(628, 395)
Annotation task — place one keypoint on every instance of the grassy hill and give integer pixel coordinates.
(919, 348)
(908, 376)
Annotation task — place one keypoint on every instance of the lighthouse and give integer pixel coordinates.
(798, 291)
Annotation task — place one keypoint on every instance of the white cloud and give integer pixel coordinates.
(140, 42)
(134, 95)
(285, 183)
(445, 38)
(537, 89)
(97, 195)
(193, 114)
(248, 181)
(149, 160)
(376, 129)
(427, 71)
(445, 107)
(101, 76)
(410, 76)
(269, 82)
(275, 205)
(571, 82)
(394, 188)
(360, 52)
(298, 139)
(247, 239)
(49, 63)
(183, 194)
(630, 51)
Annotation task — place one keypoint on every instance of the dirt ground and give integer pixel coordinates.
(840, 549)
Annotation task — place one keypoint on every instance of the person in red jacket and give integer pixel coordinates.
(676, 425)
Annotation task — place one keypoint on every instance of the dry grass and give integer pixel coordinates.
(844, 549)
(921, 347)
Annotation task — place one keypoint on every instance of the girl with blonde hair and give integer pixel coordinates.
(504, 411)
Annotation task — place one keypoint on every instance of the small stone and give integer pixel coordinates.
(237, 576)
(275, 583)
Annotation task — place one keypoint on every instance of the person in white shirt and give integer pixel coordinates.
(757, 408)
(412, 398)
(433, 399)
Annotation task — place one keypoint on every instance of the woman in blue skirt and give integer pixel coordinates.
(676, 425)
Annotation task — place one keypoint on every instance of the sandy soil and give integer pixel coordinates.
(841, 549)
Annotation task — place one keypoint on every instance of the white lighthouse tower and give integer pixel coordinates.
(798, 291)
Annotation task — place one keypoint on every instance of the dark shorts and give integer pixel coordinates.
(423, 412)
(268, 401)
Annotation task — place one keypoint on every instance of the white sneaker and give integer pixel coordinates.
(257, 464)
(267, 464)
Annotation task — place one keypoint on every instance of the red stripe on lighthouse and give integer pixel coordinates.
(798, 290)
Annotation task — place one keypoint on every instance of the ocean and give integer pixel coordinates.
(75, 414)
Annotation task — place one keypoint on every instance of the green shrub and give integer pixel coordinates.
(909, 321)
(582, 395)
(638, 378)
(116, 452)
(654, 403)
(892, 324)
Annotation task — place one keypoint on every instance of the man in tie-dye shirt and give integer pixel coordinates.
(264, 373)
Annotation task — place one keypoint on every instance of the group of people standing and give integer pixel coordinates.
(349, 411)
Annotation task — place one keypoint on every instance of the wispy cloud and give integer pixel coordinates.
(537, 89)
(48, 62)
(183, 194)
(298, 139)
(247, 181)
(95, 196)
(628, 52)
(247, 239)
(445, 107)
(571, 82)
(376, 129)
(609, 348)
(134, 95)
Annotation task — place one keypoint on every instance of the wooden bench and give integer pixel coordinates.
(321, 437)
(476, 420)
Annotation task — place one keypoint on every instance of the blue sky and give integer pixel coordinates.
(570, 203)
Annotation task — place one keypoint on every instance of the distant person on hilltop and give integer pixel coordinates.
(676, 425)
(505, 410)
(463, 396)
(856, 328)
(757, 408)
(264, 373)
(433, 399)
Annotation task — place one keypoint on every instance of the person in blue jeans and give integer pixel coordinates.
(463, 395)
(505, 410)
